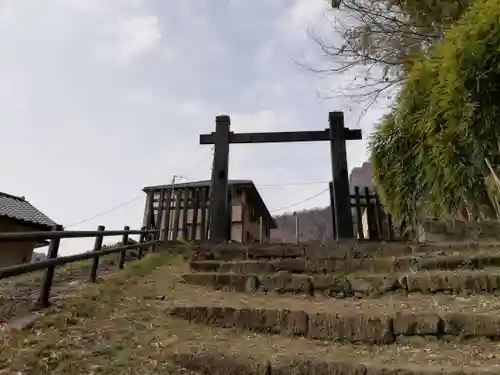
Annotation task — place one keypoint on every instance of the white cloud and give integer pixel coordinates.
(302, 15)
(98, 6)
(140, 96)
(130, 39)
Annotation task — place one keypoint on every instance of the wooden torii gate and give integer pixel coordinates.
(336, 134)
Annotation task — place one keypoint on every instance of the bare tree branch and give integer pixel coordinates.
(378, 40)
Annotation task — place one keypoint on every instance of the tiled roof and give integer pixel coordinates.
(19, 208)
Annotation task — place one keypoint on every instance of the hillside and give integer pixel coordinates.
(316, 224)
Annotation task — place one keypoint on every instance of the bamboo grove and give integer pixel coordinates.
(437, 152)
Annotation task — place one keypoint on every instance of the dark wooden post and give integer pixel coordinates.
(185, 211)
(166, 216)
(359, 216)
(229, 209)
(341, 193)
(378, 217)
(194, 219)
(121, 260)
(43, 298)
(332, 212)
(159, 215)
(151, 217)
(203, 206)
(207, 229)
(95, 260)
(177, 215)
(147, 207)
(218, 188)
(371, 216)
(142, 239)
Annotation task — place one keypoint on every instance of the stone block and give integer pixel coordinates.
(471, 325)
(273, 321)
(409, 324)
(352, 328)
(286, 283)
(297, 265)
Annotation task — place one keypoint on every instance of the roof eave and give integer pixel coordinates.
(42, 227)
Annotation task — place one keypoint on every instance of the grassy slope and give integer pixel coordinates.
(100, 330)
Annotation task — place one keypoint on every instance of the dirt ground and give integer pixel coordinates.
(18, 294)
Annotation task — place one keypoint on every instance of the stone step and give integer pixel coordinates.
(234, 353)
(435, 261)
(367, 319)
(337, 250)
(369, 327)
(463, 282)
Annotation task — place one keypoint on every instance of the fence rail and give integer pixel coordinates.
(368, 210)
(148, 239)
(179, 212)
(370, 221)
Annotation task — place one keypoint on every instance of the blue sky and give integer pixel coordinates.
(100, 98)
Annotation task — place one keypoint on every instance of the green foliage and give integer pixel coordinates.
(430, 152)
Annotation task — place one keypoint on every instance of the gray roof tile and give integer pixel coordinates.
(19, 208)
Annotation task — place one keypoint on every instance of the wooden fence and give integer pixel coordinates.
(370, 221)
(180, 213)
(148, 239)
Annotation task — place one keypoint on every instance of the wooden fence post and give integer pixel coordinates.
(121, 260)
(159, 215)
(371, 216)
(142, 239)
(378, 217)
(43, 298)
(95, 260)
(166, 216)
(177, 215)
(194, 218)
(218, 188)
(340, 174)
(147, 207)
(203, 220)
(359, 217)
(185, 210)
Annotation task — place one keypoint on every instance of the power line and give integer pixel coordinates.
(105, 212)
(126, 202)
(302, 201)
(199, 163)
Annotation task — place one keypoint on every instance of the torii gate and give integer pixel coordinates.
(337, 134)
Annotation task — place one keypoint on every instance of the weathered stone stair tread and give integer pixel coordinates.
(463, 281)
(229, 352)
(340, 250)
(469, 260)
(374, 320)
(441, 303)
(371, 327)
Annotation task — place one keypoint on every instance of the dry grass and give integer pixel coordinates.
(122, 326)
(103, 328)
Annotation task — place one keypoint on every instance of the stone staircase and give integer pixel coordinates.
(347, 308)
